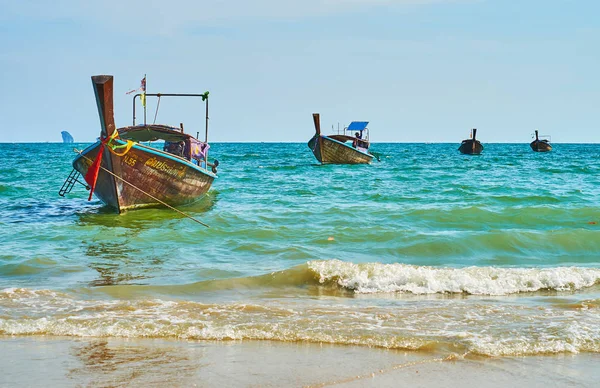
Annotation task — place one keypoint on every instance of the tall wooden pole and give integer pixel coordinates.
(206, 135)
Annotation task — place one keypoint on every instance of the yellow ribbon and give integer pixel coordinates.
(127, 147)
(112, 147)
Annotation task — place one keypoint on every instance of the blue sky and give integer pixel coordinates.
(418, 70)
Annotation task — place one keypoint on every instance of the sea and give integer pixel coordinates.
(426, 250)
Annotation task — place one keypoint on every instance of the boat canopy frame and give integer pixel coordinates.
(204, 97)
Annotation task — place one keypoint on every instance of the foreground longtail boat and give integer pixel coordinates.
(341, 148)
(126, 174)
(471, 146)
(540, 145)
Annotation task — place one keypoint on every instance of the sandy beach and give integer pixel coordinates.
(61, 361)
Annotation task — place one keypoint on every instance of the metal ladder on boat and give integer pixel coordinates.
(70, 182)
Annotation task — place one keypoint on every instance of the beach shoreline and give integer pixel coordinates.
(67, 361)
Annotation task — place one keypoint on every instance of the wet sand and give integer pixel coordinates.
(113, 362)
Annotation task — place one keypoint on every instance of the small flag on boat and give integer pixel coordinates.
(142, 87)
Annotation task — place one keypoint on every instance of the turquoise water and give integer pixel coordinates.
(497, 254)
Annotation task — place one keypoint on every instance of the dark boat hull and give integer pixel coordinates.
(540, 146)
(330, 151)
(471, 147)
(165, 177)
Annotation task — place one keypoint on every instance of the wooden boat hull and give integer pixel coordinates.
(540, 146)
(471, 147)
(330, 151)
(166, 177)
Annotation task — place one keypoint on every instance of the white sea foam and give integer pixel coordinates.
(383, 278)
(459, 324)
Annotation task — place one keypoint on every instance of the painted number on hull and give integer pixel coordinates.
(129, 160)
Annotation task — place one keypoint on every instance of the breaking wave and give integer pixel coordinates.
(384, 278)
(332, 276)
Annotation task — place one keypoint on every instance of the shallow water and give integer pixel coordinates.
(495, 255)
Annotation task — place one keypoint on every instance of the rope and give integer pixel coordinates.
(155, 113)
(148, 194)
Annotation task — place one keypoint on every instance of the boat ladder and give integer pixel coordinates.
(70, 182)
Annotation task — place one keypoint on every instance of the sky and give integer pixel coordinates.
(417, 70)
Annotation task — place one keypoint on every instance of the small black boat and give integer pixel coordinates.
(471, 146)
(540, 145)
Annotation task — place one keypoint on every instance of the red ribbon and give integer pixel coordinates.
(92, 173)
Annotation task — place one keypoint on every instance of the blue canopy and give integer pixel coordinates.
(357, 126)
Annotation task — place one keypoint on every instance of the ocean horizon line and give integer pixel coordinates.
(302, 142)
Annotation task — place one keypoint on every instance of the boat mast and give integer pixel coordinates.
(206, 134)
(144, 92)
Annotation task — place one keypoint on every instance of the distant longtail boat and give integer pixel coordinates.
(471, 146)
(341, 148)
(540, 145)
(126, 174)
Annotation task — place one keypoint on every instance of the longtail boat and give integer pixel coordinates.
(540, 145)
(341, 148)
(471, 146)
(126, 170)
